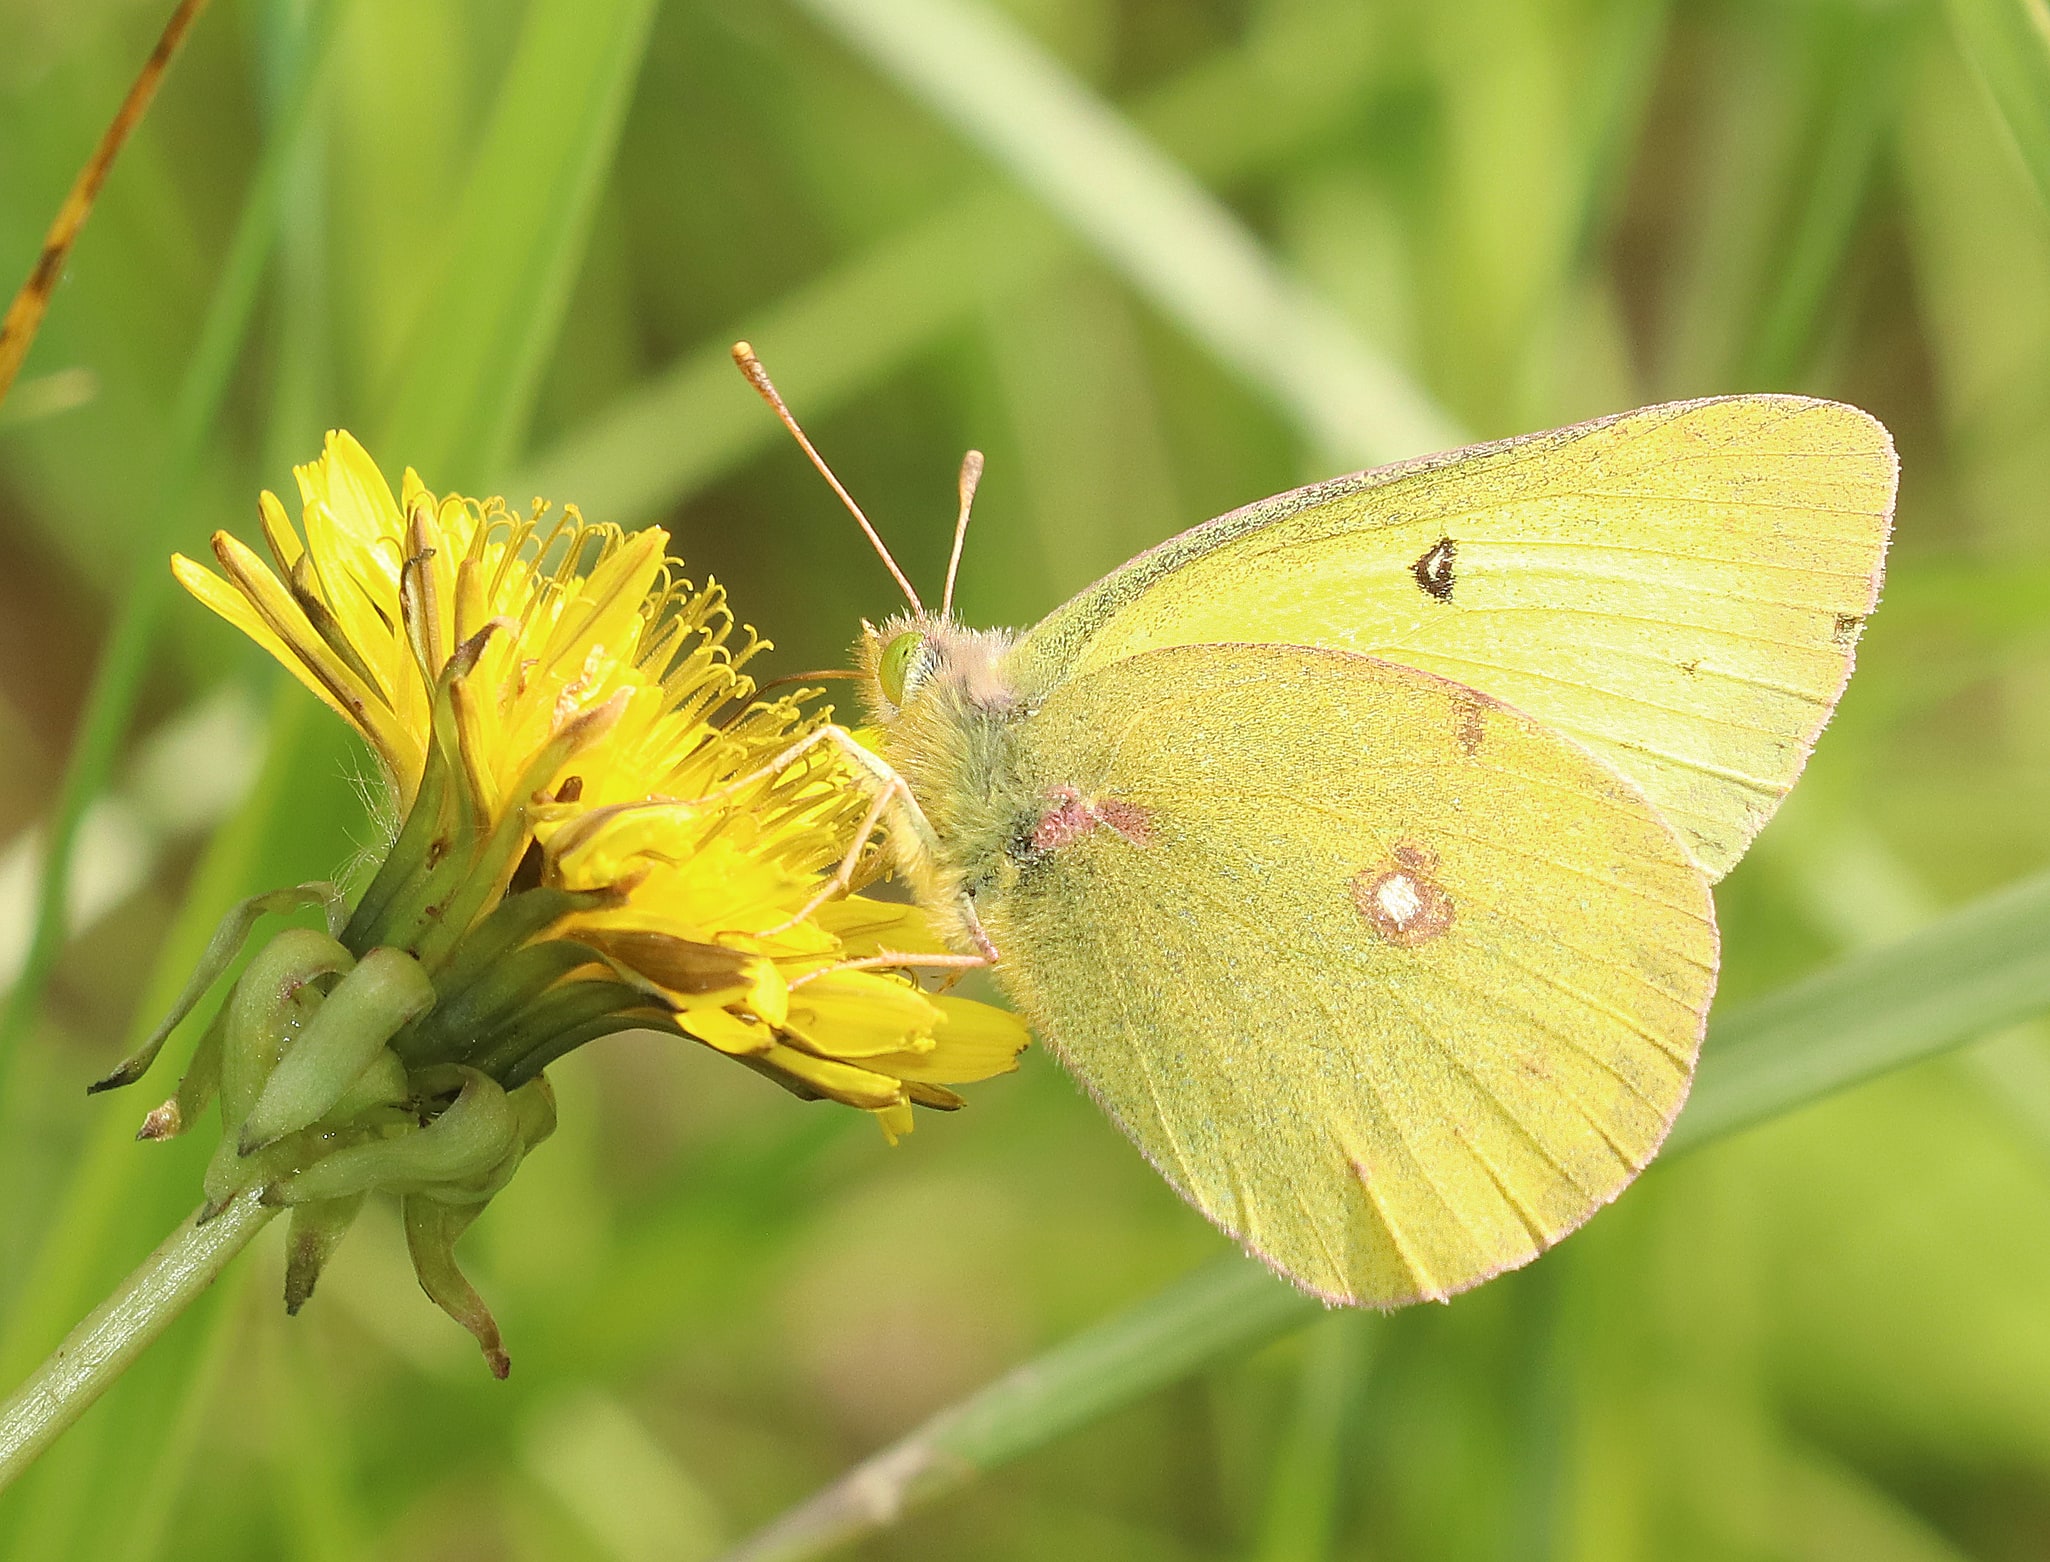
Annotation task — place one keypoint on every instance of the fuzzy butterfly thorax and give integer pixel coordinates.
(951, 733)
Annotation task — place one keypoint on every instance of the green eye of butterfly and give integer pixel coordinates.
(893, 672)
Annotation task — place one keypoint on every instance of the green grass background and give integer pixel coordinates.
(509, 243)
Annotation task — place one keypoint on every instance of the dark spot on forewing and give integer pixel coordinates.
(1433, 569)
(1847, 628)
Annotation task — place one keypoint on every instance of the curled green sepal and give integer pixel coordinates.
(385, 991)
(220, 953)
(533, 1107)
(431, 1231)
(383, 1082)
(470, 1138)
(274, 997)
(513, 983)
(317, 1230)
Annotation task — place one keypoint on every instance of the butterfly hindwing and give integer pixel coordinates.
(1391, 981)
(1677, 588)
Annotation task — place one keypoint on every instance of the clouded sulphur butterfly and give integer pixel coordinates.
(1354, 848)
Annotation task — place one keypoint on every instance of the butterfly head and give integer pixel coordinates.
(916, 654)
(902, 664)
(916, 659)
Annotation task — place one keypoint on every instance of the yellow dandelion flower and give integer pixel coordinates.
(597, 826)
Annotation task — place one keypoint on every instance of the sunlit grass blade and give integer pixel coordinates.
(490, 349)
(1864, 93)
(592, 1453)
(1856, 888)
(1150, 219)
(478, 351)
(468, 379)
(314, 1469)
(827, 341)
(1230, 1307)
(864, 319)
(2008, 45)
(25, 313)
(1976, 970)
(1798, 119)
(118, 677)
(48, 396)
(1983, 967)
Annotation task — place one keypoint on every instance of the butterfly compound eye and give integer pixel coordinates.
(894, 671)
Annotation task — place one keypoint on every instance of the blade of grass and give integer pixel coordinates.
(1982, 967)
(1853, 886)
(469, 379)
(831, 338)
(61, 1274)
(117, 679)
(862, 320)
(1754, 117)
(1219, 1311)
(1149, 217)
(312, 1452)
(25, 313)
(176, 1432)
(1863, 103)
(1539, 1394)
(2007, 43)
(49, 396)
(1301, 1518)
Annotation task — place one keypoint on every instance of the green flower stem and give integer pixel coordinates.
(101, 1348)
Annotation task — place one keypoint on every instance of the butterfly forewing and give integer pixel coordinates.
(1395, 984)
(1677, 588)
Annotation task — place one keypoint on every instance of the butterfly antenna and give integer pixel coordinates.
(971, 475)
(758, 377)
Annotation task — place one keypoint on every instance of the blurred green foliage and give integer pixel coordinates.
(511, 248)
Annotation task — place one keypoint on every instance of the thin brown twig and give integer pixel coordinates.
(25, 315)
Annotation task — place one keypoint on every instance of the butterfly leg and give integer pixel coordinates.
(890, 796)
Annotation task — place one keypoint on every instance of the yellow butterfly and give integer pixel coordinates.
(1354, 848)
